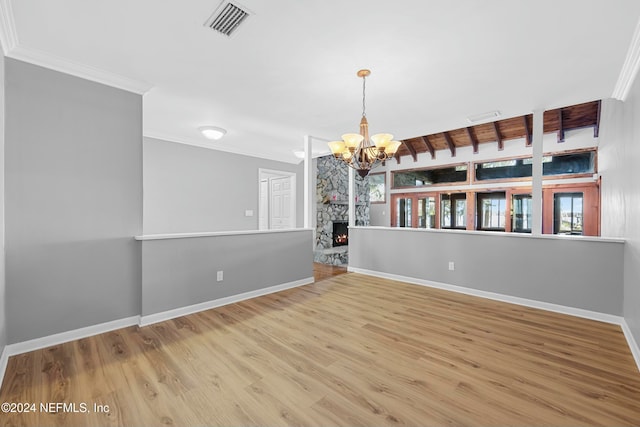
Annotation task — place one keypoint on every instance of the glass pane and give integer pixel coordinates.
(427, 212)
(492, 213)
(461, 213)
(445, 213)
(558, 164)
(522, 213)
(424, 177)
(376, 187)
(567, 213)
(492, 210)
(403, 212)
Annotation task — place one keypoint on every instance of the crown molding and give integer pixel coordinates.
(12, 49)
(87, 72)
(219, 147)
(8, 34)
(629, 68)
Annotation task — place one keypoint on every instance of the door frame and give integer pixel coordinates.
(268, 174)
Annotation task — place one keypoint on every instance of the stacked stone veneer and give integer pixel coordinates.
(333, 205)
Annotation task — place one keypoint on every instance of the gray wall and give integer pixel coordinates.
(571, 272)
(620, 155)
(3, 304)
(182, 272)
(194, 189)
(73, 178)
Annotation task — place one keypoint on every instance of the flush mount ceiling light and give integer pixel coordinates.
(358, 150)
(484, 117)
(212, 132)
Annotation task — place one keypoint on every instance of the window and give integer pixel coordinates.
(521, 207)
(431, 176)
(567, 213)
(377, 187)
(427, 212)
(416, 210)
(571, 164)
(492, 211)
(453, 211)
(403, 212)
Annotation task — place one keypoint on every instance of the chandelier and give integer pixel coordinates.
(358, 150)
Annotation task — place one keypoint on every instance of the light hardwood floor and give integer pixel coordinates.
(325, 271)
(350, 350)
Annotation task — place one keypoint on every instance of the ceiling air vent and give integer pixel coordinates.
(227, 18)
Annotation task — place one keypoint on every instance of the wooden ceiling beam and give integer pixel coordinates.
(498, 137)
(473, 139)
(527, 131)
(560, 126)
(427, 144)
(411, 150)
(397, 156)
(452, 146)
(596, 128)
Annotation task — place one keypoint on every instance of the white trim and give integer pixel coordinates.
(220, 147)
(87, 72)
(4, 360)
(216, 234)
(195, 308)
(633, 345)
(572, 311)
(62, 337)
(496, 233)
(629, 68)
(8, 34)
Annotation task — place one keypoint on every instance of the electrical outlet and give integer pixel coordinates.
(220, 276)
(452, 266)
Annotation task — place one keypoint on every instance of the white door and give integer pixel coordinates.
(280, 203)
(263, 220)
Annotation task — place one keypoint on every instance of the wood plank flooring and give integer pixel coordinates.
(350, 350)
(325, 271)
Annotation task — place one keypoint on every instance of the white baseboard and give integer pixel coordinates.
(578, 312)
(633, 344)
(572, 311)
(55, 339)
(4, 359)
(76, 334)
(195, 308)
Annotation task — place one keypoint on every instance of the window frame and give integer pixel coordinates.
(384, 186)
(490, 195)
(444, 184)
(454, 196)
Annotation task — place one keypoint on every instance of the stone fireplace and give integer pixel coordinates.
(332, 186)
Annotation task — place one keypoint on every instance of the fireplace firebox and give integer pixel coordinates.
(340, 233)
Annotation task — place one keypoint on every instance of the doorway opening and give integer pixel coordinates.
(277, 200)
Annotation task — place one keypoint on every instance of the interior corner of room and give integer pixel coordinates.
(106, 224)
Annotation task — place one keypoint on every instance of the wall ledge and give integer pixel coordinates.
(498, 233)
(216, 234)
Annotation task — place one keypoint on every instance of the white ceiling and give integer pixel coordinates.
(290, 70)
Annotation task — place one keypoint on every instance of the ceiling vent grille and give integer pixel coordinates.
(227, 18)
